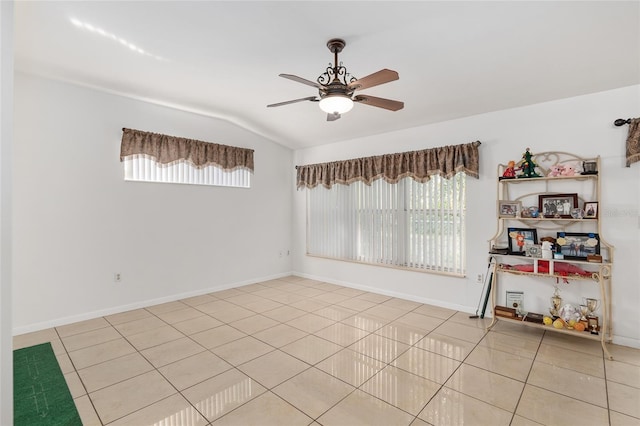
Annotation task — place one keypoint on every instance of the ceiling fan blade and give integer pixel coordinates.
(301, 80)
(308, 98)
(379, 102)
(380, 77)
(333, 116)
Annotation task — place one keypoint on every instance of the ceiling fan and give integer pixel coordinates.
(336, 87)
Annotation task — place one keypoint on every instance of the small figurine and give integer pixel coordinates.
(520, 241)
(569, 170)
(510, 171)
(528, 166)
(556, 170)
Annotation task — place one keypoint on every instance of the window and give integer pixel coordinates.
(153, 157)
(405, 210)
(147, 169)
(409, 224)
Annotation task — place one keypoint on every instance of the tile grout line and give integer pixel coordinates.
(86, 392)
(285, 299)
(526, 380)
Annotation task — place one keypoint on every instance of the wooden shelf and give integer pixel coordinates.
(547, 178)
(581, 334)
(539, 259)
(525, 189)
(548, 219)
(541, 274)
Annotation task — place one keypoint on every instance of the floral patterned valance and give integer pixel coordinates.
(168, 149)
(419, 165)
(633, 141)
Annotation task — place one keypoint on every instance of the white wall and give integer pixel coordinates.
(6, 268)
(581, 125)
(77, 222)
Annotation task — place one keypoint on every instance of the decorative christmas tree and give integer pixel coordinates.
(528, 166)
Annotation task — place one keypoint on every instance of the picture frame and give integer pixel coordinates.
(590, 209)
(557, 205)
(534, 250)
(509, 209)
(515, 300)
(520, 238)
(578, 245)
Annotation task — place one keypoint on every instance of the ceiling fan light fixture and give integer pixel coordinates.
(336, 87)
(336, 103)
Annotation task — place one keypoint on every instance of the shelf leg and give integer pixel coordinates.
(603, 279)
(604, 348)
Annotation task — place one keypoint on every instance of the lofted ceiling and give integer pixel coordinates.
(219, 58)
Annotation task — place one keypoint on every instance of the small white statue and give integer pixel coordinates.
(547, 253)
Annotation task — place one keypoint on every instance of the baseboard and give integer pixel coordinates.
(137, 305)
(626, 341)
(618, 340)
(412, 297)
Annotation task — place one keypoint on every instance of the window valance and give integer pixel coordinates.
(168, 149)
(633, 141)
(420, 165)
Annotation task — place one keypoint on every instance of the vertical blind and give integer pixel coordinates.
(410, 224)
(144, 168)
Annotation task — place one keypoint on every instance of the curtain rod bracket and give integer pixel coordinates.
(621, 122)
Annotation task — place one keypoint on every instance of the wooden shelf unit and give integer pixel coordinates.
(600, 273)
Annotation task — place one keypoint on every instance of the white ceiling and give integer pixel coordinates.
(455, 59)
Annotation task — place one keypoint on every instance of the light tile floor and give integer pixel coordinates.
(295, 351)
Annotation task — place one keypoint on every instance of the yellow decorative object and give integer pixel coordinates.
(547, 320)
(558, 323)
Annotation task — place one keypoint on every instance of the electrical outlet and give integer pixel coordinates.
(479, 279)
(117, 277)
(280, 253)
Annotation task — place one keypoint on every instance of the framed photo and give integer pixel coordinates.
(520, 238)
(557, 205)
(577, 246)
(590, 209)
(534, 250)
(508, 208)
(515, 300)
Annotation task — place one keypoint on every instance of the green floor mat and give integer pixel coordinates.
(40, 393)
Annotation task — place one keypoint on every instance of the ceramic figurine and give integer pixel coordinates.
(547, 250)
(569, 170)
(510, 171)
(528, 166)
(556, 170)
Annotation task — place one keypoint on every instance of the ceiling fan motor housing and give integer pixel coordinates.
(335, 88)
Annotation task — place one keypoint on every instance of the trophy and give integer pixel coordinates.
(592, 305)
(556, 303)
(584, 311)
